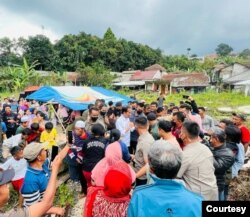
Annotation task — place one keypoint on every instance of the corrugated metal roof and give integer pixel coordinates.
(130, 83)
(191, 80)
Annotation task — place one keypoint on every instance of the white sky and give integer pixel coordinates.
(171, 25)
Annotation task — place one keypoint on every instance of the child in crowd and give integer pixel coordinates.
(49, 135)
(19, 164)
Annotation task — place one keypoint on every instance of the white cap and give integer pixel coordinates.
(80, 124)
(25, 119)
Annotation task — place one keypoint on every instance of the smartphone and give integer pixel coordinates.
(54, 153)
(185, 96)
(70, 137)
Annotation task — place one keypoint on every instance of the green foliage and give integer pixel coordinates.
(230, 60)
(109, 35)
(17, 78)
(64, 196)
(95, 75)
(245, 54)
(13, 200)
(39, 48)
(95, 56)
(8, 54)
(223, 49)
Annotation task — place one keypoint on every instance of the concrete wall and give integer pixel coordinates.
(238, 69)
(226, 72)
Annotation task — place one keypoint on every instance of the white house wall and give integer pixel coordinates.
(238, 69)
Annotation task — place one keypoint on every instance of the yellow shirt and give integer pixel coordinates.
(49, 137)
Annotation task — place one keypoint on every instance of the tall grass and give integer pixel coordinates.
(209, 99)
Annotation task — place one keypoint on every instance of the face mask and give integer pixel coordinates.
(94, 119)
(173, 123)
(139, 112)
(103, 113)
(133, 108)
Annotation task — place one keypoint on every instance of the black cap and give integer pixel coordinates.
(151, 116)
(118, 104)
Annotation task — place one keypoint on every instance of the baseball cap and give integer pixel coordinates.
(25, 119)
(151, 116)
(32, 150)
(241, 116)
(80, 124)
(6, 176)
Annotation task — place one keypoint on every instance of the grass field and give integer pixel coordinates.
(210, 100)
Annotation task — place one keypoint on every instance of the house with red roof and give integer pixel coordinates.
(149, 78)
(194, 82)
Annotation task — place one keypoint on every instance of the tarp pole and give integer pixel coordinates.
(64, 130)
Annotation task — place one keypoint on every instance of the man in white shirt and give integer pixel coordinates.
(124, 125)
(207, 121)
(19, 139)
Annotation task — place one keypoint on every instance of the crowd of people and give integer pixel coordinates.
(131, 160)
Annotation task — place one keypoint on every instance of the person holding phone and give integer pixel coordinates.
(74, 158)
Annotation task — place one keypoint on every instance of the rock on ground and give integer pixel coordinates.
(77, 211)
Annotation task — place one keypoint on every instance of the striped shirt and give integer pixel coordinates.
(35, 184)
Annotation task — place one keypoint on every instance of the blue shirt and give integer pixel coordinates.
(35, 184)
(125, 153)
(164, 198)
(239, 160)
(4, 128)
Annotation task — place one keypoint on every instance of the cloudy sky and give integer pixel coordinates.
(171, 25)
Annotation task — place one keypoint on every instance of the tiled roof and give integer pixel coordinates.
(187, 79)
(171, 76)
(155, 67)
(143, 75)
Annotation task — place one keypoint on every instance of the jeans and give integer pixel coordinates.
(221, 195)
(226, 188)
(75, 173)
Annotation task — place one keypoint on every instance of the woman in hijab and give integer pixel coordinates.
(113, 198)
(114, 154)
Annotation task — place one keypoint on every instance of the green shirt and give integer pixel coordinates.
(19, 130)
(154, 131)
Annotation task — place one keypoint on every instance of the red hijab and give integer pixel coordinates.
(117, 186)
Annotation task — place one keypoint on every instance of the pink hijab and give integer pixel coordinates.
(113, 156)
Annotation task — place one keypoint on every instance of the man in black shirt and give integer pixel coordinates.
(93, 150)
(10, 119)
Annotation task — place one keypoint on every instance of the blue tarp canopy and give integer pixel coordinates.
(76, 97)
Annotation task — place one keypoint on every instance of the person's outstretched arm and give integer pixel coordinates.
(39, 209)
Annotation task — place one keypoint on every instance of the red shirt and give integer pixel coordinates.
(245, 135)
(35, 136)
(176, 131)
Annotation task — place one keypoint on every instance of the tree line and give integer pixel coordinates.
(95, 57)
